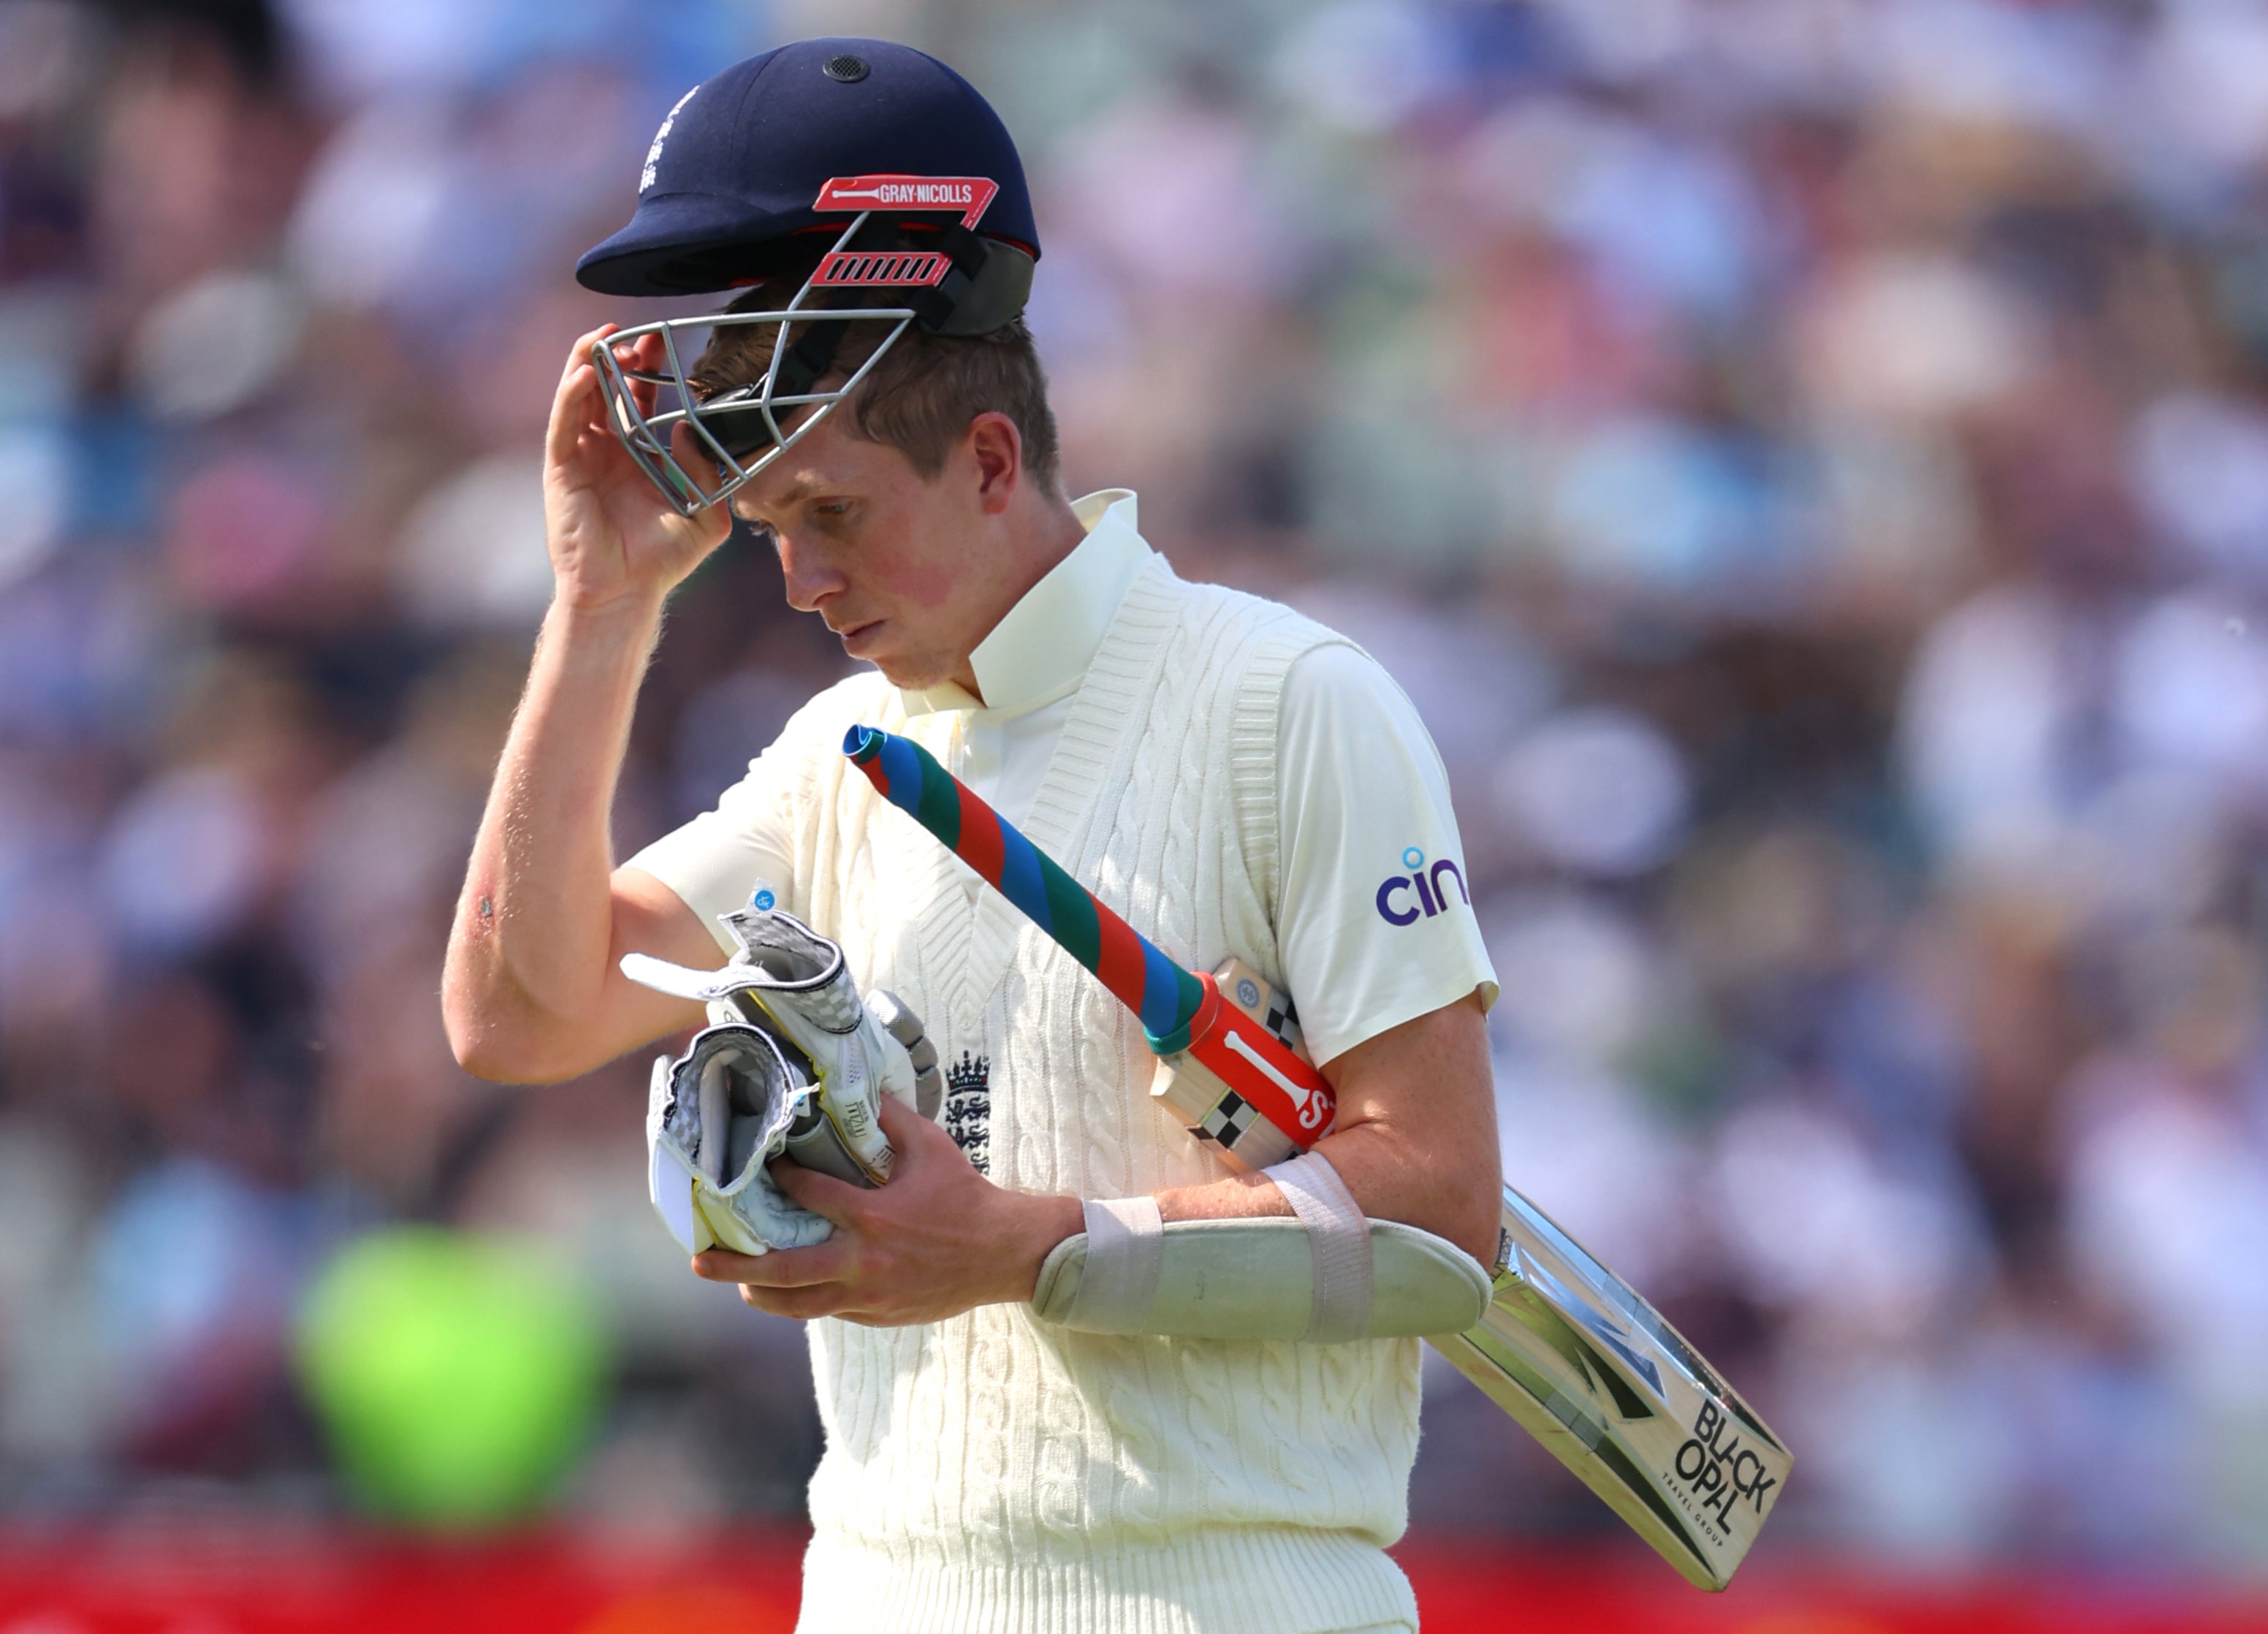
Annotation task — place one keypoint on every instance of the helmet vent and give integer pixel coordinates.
(848, 69)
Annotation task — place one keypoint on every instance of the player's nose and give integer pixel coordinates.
(809, 571)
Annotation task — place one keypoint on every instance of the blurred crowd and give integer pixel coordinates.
(1807, 460)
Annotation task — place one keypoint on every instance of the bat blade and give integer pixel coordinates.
(1592, 1372)
(1566, 1347)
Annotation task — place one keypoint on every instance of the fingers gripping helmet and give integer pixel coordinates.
(880, 159)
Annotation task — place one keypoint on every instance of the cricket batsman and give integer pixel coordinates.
(1235, 781)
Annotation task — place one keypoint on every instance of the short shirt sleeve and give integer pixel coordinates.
(717, 860)
(1373, 918)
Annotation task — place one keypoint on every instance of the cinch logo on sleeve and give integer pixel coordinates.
(1421, 887)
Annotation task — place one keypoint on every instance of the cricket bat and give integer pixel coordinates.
(1566, 1347)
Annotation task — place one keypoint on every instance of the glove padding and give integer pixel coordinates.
(904, 1025)
(715, 1118)
(790, 981)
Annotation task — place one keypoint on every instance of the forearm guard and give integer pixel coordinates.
(1327, 1277)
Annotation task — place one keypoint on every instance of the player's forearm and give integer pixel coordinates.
(1453, 1189)
(1452, 1193)
(530, 950)
(1415, 1140)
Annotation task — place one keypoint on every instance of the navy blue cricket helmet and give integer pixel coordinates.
(874, 166)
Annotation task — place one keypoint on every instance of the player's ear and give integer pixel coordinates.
(997, 448)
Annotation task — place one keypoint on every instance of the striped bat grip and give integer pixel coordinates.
(1239, 1085)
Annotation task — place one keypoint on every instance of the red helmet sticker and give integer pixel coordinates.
(969, 195)
(859, 269)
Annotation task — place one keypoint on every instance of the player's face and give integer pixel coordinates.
(901, 566)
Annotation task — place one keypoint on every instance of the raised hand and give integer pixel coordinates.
(612, 535)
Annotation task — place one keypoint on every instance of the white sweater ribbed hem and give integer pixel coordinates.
(1222, 1580)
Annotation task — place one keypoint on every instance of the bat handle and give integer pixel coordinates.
(1244, 1085)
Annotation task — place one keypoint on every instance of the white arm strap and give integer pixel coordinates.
(1125, 1247)
(1338, 1238)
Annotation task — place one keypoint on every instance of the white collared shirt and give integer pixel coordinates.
(1360, 791)
(1031, 665)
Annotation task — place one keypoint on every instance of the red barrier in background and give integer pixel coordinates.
(289, 1580)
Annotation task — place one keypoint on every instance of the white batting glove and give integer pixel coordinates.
(790, 979)
(715, 1117)
(901, 1023)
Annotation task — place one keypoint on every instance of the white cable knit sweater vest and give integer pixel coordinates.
(993, 1472)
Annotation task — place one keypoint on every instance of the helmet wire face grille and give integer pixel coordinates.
(736, 433)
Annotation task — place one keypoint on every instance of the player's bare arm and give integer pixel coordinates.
(532, 991)
(1415, 1142)
(1415, 1138)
